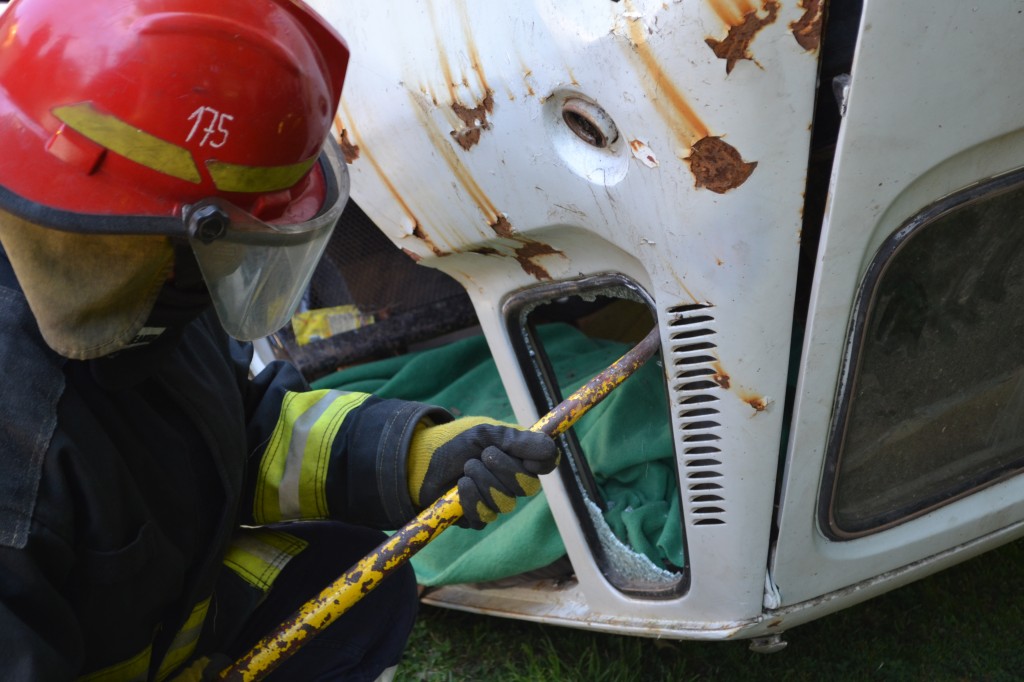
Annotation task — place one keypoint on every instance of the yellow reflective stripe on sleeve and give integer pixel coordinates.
(232, 177)
(130, 142)
(184, 643)
(257, 555)
(135, 669)
(292, 478)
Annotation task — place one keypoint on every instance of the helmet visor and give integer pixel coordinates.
(257, 272)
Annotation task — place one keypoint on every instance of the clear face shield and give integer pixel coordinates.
(257, 272)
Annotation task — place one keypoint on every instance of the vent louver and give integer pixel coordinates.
(694, 387)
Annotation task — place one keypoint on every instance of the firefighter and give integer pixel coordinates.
(167, 182)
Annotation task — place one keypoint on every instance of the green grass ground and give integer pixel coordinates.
(962, 624)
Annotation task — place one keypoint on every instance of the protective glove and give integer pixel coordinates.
(491, 462)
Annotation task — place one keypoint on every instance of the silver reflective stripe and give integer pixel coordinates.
(290, 486)
(292, 479)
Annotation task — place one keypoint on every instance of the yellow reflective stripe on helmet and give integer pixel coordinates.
(184, 643)
(130, 142)
(292, 478)
(233, 177)
(135, 669)
(257, 555)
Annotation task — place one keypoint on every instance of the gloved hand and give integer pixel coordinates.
(491, 462)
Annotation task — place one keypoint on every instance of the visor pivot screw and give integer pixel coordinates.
(210, 223)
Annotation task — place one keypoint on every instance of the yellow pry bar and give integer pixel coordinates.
(341, 595)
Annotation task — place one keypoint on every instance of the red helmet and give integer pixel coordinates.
(174, 117)
(133, 108)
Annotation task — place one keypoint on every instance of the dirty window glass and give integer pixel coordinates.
(937, 401)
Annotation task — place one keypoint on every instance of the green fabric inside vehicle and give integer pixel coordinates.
(627, 440)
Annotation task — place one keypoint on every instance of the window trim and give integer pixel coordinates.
(863, 306)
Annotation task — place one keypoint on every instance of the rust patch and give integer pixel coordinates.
(502, 227)
(412, 254)
(736, 45)
(721, 377)
(418, 232)
(530, 250)
(475, 120)
(759, 403)
(525, 255)
(349, 149)
(807, 29)
(452, 158)
(717, 165)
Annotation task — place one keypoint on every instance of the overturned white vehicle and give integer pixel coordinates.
(822, 210)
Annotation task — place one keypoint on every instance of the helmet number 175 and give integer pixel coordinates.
(215, 133)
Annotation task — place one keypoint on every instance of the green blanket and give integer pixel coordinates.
(626, 438)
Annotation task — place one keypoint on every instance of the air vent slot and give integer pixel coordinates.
(694, 392)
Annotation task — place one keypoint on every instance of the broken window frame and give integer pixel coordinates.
(573, 468)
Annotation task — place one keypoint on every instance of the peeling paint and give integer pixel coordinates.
(502, 227)
(720, 377)
(474, 119)
(736, 44)
(349, 150)
(759, 403)
(452, 159)
(525, 255)
(718, 166)
(643, 153)
(418, 232)
(807, 29)
(532, 249)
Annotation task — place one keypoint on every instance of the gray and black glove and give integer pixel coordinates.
(491, 462)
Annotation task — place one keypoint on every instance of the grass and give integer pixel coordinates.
(962, 624)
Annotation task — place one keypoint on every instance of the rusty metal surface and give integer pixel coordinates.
(610, 139)
(736, 44)
(341, 595)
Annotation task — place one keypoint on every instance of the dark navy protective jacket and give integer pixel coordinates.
(123, 493)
